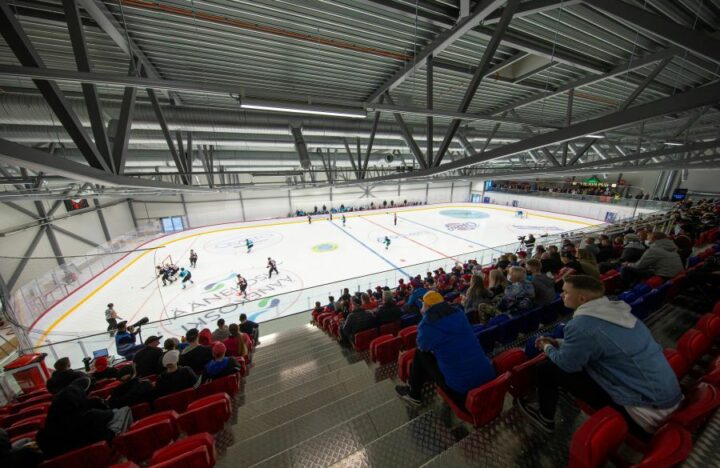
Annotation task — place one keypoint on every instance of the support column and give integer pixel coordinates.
(242, 205)
(452, 189)
(101, 217)
(290, 201)
(182, 200)
(658, 183)
(132, 213)
(57, 252)
(427, 190)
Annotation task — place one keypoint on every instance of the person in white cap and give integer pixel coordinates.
(174, 378)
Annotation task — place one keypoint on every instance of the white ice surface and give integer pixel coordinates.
(314, 261)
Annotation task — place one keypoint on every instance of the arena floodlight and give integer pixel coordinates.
(298, 108)
(593, 135)
(673, 143)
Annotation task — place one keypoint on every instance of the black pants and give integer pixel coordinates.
(630, 275)
(256, 335)
(425, 369)
(708, 283)
(193, 262)
(112, 324)
(271, 272)
(551, 378)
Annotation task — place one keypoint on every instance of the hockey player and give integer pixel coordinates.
(343, 220)
(272, 266)
(111, 317)
(309, 219)
(249, 245)
(186, 276)
(394, 219)
(242, 286)
(193, 258)
(386, 242)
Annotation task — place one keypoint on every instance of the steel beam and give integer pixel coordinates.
(26, 54)
(454, 115)
(644, 84)
(429, 103)
(123, 126)
(568, 122)
(26, 257)
(532, 7)
(101, 218)
(76, 237)
(482, 68)
(407, 136)
(697, 43)
(373, 131)
(166, 133)
(352, 159)
(441, 42)
(131, 208)
(301, 147)
(22, 210)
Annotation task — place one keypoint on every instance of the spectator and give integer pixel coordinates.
(169, 345)
(194, 355)
(205, 337)
(684, 245)
(221, 333)
(607, 357)
(367, 302)
(588, 263)
(330, 307)
(661, 259)
(552, 263)
(358, 320)
(125, 340)
(148, 361)
(447, 353)
(388, 312)
(570, 267)
(175, 378)
(220, 366)
(605, 250)
(414, 302)
(235, 344)
(317, 310)
(251, 328)
(633, 249)
(103, 370)
(132, 390)
(591, 247)
(539, 251)
(63, 376)
(497, 283)
(544, 286)
(476, 294)
(519, 294)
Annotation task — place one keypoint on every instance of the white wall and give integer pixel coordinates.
(707, 180)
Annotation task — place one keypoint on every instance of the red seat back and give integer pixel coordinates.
(712, 377)
(698, 405)
(170, 415)
(523, 377)
(26, 396)
(655, 281)
(390, 328)
(716, 308)
(177, 401)
(678, 363)
(139, 444)
(208, 414)
(105, 391)
(37, 410)
(384, 349)
(506, 360)
(693, 345)
(229, 384)
(26, 425)
(710, 325)
(43, 398)
(97, 455)
(195, 458)
(597, 439)
(140, 410)
(670, 446)
(404, 362)
(185, 445)
(485, 402)
(362, 339)
(408, 335)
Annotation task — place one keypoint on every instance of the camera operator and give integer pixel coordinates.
(530, 243)
(125, 340)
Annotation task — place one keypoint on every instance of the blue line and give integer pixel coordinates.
(451, 235)
(373, 251)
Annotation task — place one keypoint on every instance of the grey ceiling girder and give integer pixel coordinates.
(407, 136)
(532, 7)
(644, 84)
(179, 163)
(568, 122)
(26, 54)
(582, 152)
(373, 131)
(440, 43)
(123, 125)
(26, 257)
(465, 143)
(429, 102)
(300, 146)
(694, 42)
(92, 100)
(352, 159)
(474, 84)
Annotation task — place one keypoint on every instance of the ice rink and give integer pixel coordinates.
(314, 261)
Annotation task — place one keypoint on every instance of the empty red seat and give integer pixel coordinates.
(139, 444)
(485, 402)
(408, 335)
(693, 345)
(208, 414)
(506, 360)
(597, 439)
(105, 391)
(33, 423)
(169, 415)
(43, 398)
(523, 377)
(391, 328)
(140, 410)
(185, 445)
(177, 401)
(362, 339)
(404, 362)
(716, 308)
(712, 377)
(698, 405)
(26, 396)
(37, 410)
(677, 361)
(710, 325)
(333, 328)
(670, 446)
(32, 435)
(655, 281)
(229, 384)
(384, 349)
(612, 282)
(97, 455)
(195, 458)
(127, 464)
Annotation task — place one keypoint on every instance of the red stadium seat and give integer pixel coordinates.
(390, 328)
(506, 360)
(671, 445)
(27, 435)
(408, 335)
(229, 384)
(404, 362)
(698, 405)
(678, 363)
(523, 377)
(384, 349)
(97, 455)
(24, 426)
(127, 464)
(102, 383)
(177, 401)
(26, 396)
(712, 377)
(140, 410)
(362, 339)
(185, 445)
(44, 398)
(208, 414)
(105, 391)
(37, 410)
(710, 325)
(597, 439)
(612, 281)
(485, 402)
(139, 444)
(693, 345)
(716, 308)
(655, 281)
(195, 458)
(170, 415)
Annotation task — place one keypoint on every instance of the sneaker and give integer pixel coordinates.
(532, 411)
(404, 392)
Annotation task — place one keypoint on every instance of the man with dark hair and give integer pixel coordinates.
(221, 333)
(607, 358)
(358, 320)
(251, 328)
(147, 360)
(544, 285)
(63, 376)
(132, 390)
(194, 355)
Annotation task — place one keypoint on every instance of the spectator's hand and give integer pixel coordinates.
(543, 340)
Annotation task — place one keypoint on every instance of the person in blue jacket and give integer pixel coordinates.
(607, 357)
(448, 353)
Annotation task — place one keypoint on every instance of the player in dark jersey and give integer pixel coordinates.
(242, 286)
(272, 266)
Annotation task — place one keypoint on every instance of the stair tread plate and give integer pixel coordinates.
(274, 349)
(295, 376)
(289, 361)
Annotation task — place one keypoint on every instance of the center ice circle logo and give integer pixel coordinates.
(325, 247)
(464, 214)
(236, 242)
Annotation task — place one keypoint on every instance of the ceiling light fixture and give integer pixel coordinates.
(673, 143)
(592, 135)
(302, 108)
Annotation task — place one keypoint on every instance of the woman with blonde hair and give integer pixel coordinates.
(476, 294)
(497, 282)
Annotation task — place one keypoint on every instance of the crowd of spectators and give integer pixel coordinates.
(350, 208)
(616, 193)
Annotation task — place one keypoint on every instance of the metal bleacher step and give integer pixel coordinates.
(294, 353)
(273, 398)
(263, 421)
(272, 350)
(264, 445)
(294, 376)
(411, 444)
(344, 439)
(319, 354)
